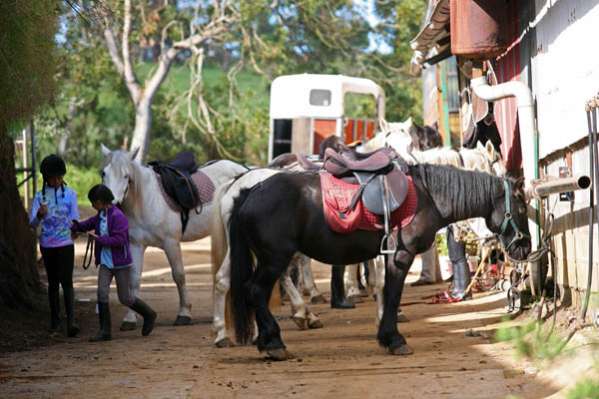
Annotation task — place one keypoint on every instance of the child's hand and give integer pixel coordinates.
(74, 235)
(42, 211)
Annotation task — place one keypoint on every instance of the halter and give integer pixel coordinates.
(509, 220)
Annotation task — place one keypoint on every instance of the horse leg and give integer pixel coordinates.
(395, 276)
(173, 254)
(298, 306)
(379, 284)
(137, 256)
(300, 313)
(351, 281)
(260, 289)
(309, 285)
(222, 283)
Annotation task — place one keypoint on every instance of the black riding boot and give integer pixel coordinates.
(338, 299)
(461, 271)
(69, 300)
(147, 313)
(105, 333)
(54, 302)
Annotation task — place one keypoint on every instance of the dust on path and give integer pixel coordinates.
(341, 360)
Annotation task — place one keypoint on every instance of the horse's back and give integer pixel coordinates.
(223, 170)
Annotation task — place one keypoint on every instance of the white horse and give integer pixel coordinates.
(221, 264)
(153, 223)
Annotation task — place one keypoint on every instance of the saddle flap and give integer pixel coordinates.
(373, 194)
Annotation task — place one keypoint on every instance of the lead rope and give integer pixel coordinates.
(89, 253)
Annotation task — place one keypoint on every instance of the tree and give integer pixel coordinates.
(27, 32)
(208, 22)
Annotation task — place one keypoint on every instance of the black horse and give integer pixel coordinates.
(284, 214)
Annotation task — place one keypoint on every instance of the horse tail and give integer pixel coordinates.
(219, 245)
(218, 239)
(242, 270)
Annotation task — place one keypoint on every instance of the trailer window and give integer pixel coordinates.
(357, 105)
(320, 97)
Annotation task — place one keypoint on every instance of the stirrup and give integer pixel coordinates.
(385, 249)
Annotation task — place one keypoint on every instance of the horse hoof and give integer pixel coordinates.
(224, 343)
(318, 300)
(401, 350)
(315, 324)
(356, 298)
(128, 326)
(182, 321)
(278, 354)
(300, 322)
(401, 318)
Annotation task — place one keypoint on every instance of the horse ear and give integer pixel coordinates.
(490, 148)
(519, 186)
(133, 153)
(105, 150)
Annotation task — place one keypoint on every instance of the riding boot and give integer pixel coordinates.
(69, 300)
(54, 301)
(338, 299)
(105, 333)
(461, 271)
(461, 279)
(147, 313)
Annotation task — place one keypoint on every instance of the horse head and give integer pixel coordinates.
(116, 171)
(509, 219)
(424, 137)
(493, 158)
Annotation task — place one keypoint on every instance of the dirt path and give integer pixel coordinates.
(341, 360)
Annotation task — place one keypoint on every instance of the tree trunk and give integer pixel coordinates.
(141, 132)
(19, 280)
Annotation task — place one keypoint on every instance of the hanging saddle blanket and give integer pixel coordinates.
(337, 196)
(183, 185)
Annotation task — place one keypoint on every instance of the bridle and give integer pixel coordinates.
(508, 220)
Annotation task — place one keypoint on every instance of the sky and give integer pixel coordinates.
(366, 8)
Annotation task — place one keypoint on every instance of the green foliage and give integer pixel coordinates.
(585, 389)
(531, 342)
(441, 240)
(271, 39)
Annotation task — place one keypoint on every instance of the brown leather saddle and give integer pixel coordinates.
(383, 183)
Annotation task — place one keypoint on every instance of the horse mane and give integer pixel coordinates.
(464, 191)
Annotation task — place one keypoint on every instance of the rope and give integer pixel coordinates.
(89, 253)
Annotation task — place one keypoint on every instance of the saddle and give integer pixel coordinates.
(383, 183)
(177, 182)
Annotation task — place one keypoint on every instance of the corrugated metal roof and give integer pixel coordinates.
(434, 28)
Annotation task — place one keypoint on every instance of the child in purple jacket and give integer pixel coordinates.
(113, 258)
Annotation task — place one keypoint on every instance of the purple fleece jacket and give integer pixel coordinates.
(117, 238)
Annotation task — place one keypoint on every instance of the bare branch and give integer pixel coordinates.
(128, 73)
(112, 48)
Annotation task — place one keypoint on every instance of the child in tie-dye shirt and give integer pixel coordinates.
(54, 208)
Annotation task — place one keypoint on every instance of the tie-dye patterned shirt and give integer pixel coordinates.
(56, 225)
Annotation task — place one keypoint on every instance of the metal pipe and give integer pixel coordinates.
(528, 131)
(543, 188)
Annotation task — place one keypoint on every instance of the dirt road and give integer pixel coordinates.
(341, 360)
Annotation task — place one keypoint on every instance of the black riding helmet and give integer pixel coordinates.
(53, 166)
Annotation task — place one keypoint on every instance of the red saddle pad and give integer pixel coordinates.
(337, 195)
